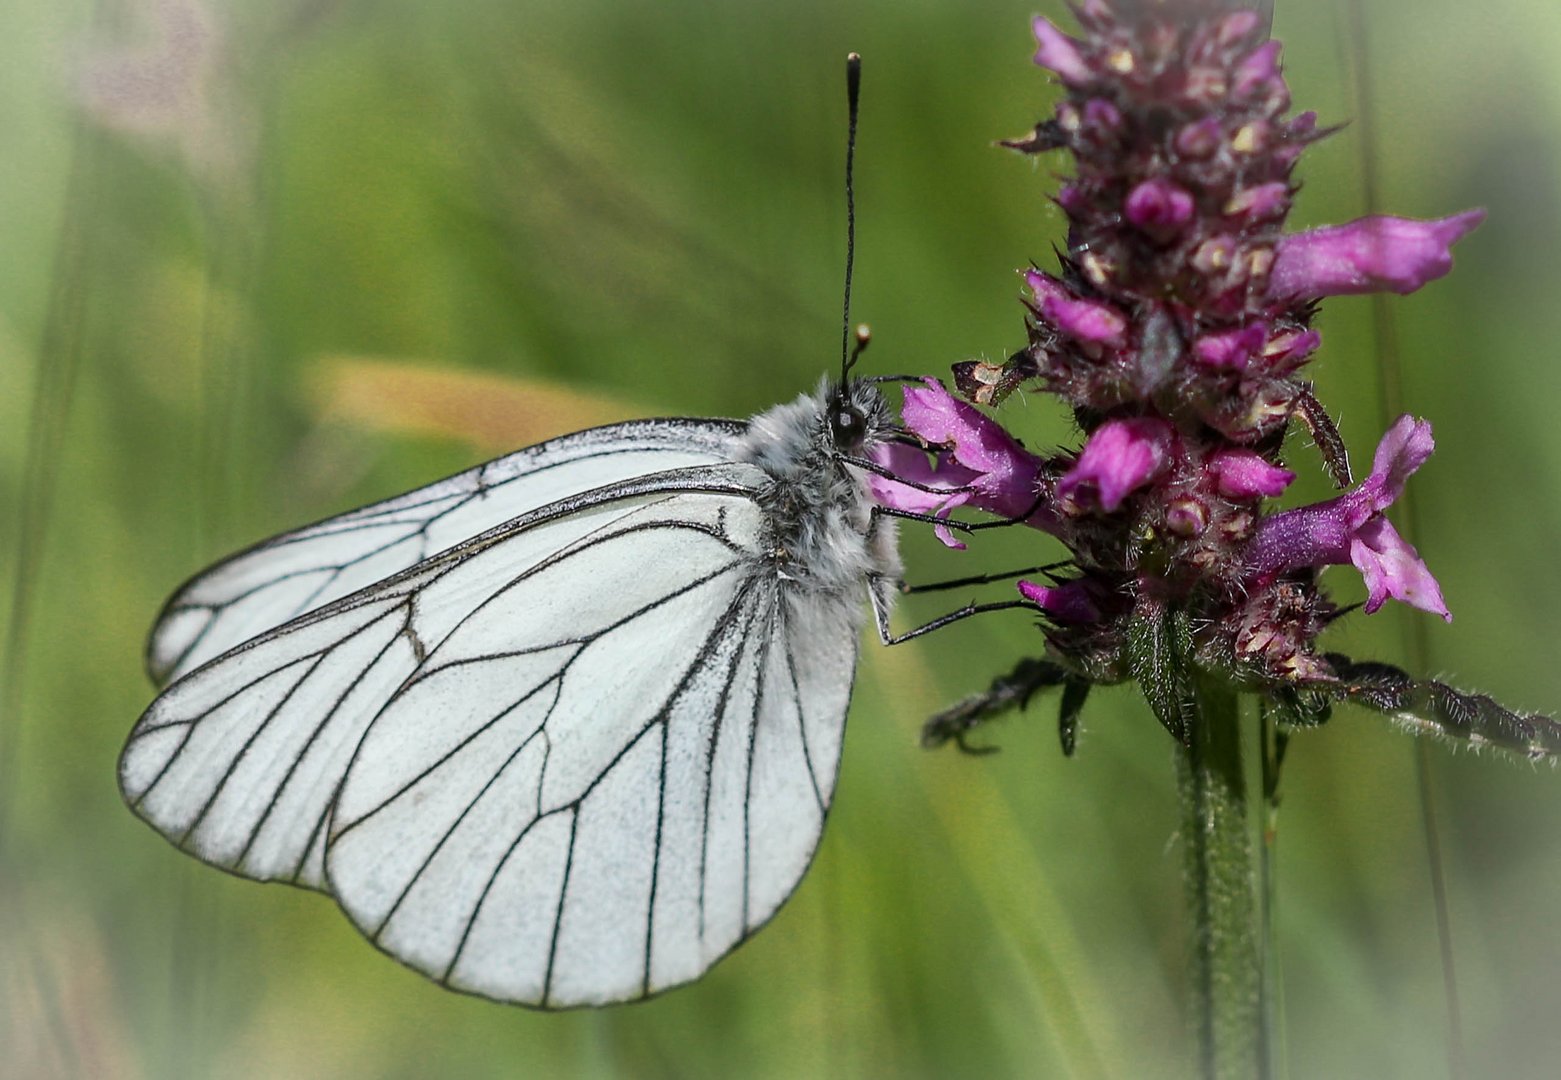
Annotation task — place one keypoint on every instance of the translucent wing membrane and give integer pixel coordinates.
(573, 760)
(290, 575)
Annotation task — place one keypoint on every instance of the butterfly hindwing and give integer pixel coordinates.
(612, 800)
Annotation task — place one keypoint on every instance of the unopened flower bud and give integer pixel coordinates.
(1159, 208)
(1187, 516)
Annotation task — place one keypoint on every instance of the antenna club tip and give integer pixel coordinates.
(853, 58)
(864, 333)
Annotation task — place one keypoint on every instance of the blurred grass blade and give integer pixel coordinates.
(1068, 1004)
(490, 412)
(56, 368)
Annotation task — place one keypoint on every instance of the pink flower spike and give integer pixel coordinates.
(1371, 254)
(1068, 603)
(1060, 53)
(1351, 529)
(1120, 457)
(1243, 474)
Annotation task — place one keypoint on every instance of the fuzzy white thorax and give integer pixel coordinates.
(825, 536)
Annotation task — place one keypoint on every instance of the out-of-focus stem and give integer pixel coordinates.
(1227, 936)
(1273, 740)
(1390, 379)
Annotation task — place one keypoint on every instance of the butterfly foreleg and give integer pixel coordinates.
(882, 589)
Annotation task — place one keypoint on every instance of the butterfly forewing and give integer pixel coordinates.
(239, 762)
(301, 571)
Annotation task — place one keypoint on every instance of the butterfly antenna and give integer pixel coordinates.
(853, 94)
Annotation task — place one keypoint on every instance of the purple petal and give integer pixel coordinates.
(1231, 349)
(1004, 475)
(1159, 207)
(942, 531)
(1236, 26)
(913, 465)
(1045, 287)
(1072, 198)
(1260, 202)
(1243, 474)
(1201, 138)
(1083, 320)
(934, 414)
(1086, 321)
(1100, 113)
(1060, 53)
(1287, 349)
(1367, 255)
(1260, 66)
(1351, 529)
(1120, 457)
(1393, 568)
(1069, 603)
(1316, 535)
(1405, 447)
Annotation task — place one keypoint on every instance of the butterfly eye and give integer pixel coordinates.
(848, 426)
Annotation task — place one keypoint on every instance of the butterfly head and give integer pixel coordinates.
(855, 415)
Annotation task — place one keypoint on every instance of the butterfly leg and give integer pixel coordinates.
(882, 589)
(955, 523)
(982, 579)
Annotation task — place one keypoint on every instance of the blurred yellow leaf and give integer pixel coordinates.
(490, 412)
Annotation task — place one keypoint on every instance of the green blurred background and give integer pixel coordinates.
(537, 215)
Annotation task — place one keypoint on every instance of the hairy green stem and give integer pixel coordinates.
(1273, 740)
(1227, 935)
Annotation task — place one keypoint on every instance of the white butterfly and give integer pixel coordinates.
(562, 729)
